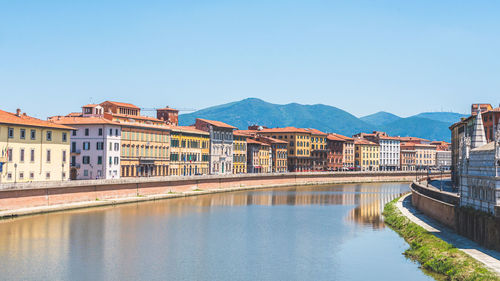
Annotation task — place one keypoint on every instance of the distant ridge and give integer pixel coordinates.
(380, 118)
(250, 111)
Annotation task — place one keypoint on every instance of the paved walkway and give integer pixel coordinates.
(489, 258)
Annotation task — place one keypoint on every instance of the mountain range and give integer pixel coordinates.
(251, 111)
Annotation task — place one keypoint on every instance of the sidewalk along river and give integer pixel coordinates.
(332, 232)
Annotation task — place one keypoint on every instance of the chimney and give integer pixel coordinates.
(18, 112)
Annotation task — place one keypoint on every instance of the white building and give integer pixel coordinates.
(443, 159)
(221, 145)
(480, 169)
(389, 158)
(95, 144)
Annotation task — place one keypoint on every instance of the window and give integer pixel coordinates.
(48, 155)
(116, 160)
(117, 146)
(9, 176)
(21, 175)
(22, 134)
(110, 160)
(116, 132)
(100, 132)
(73, 161)
(49, 135)
(64, 156)
(33, 134)
(87, 131)
(47, 175)
(21, 155)
(74, 132)
(11, 133)
(9, 154)
(99, 160)
(111, 132)
(32, 175)
(110, 146)
(32, 155)
(86, 145)
(86, 160)
(86, 173)
(64, 137)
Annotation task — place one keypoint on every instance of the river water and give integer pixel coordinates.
(331, 232)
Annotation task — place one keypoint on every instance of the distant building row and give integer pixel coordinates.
(113, 140)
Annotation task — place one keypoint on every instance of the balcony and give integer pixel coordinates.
(76, 152)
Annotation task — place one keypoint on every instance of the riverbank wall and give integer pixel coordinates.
(28, 195)
(444, 207)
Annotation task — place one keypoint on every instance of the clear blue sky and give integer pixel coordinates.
(403, 57)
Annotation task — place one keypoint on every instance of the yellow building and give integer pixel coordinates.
(189, 151)
(299, 146)
(239, 153)
(32, 149)
(144, 150)
(366, 155)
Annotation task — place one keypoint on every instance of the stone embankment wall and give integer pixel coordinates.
(435, 204)
(444, 207)
(47, 194)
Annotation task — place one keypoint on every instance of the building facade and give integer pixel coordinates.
(279, 156)
(259, 157)
(335, 146)
(479, 184)
(239, 153)
(348, 154)
(221, 145)
(319, 151)
(389, 149)
(189, 151)
(408, 157)
(366, 155)
(32, 149)
(299, 146)
(95, 147)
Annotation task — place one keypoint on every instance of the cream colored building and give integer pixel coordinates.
(32, 149)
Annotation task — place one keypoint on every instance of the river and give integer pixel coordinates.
(333, 232)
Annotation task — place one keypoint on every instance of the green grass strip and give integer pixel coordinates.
(434, 254)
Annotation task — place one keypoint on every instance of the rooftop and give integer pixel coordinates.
(285, 130)
(23, 119)
(122, 104)
(216, 123)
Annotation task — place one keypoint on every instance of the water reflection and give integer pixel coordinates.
(161, 239)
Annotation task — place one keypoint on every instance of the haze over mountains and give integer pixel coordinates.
(250, 111)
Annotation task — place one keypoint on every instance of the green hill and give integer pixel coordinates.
(255, 111)
(326, 118)
(380, 118)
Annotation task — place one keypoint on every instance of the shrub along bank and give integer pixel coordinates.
(434, 254)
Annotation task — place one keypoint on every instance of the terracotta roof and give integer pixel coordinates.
(121, 104)
(141, 117)
(285, 130)
(333, 137)
(343, 137)
(364, 142)
(412, 139)
(252, 141)
(316, 132)
(217, 123)
(75, 114)
(271, 140)
(69, 120)
(11, 118)
(246, 133)
(189, 129)
(90, 105)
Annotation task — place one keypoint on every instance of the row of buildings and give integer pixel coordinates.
(113, 140)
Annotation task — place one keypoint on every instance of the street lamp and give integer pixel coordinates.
(15, 173)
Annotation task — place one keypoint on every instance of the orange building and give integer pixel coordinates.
(299, 146)
(335, 147)
(348, 156)
(319, 152)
